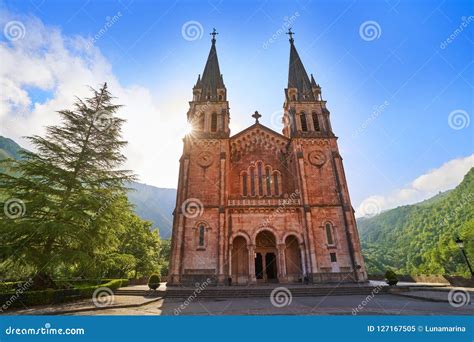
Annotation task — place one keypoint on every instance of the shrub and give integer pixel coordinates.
(154, 281)
(391, 277)
(51, 296)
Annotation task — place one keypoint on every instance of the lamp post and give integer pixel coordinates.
(460, 244)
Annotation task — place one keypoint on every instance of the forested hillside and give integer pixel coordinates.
(419, 238)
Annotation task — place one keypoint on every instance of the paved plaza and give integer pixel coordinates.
(332, 305)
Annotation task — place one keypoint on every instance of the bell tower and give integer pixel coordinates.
(199, 223)
(305, 112)
(209, 110)
(325, 196)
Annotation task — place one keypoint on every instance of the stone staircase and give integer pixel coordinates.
(254, 291)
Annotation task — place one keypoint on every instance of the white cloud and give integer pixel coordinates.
(63, 67)
(447, 176)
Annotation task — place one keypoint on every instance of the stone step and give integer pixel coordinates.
(251, 292)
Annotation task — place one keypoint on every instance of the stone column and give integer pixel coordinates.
(281, 262)
(303, 259)
(231, 247)
(252, 278)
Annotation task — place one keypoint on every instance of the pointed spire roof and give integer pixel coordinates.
(211, 79)
(297, 76)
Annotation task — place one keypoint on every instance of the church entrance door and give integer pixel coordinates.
(266, 269)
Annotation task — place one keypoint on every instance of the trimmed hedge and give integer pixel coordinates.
(50, 296)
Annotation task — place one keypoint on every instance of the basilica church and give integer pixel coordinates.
(261, 206)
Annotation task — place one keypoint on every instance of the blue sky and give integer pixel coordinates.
(408, 67)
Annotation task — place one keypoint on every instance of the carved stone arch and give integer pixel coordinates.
(243, 234)
(296, 234)
(270, 229)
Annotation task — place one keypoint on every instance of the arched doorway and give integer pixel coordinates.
(294, 270)
(240, 261)
(266, 269)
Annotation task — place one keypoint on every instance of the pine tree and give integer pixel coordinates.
(60, 209)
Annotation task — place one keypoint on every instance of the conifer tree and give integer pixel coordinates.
(62, 202)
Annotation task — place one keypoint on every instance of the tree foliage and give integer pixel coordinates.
(75, 219)
(420, 238)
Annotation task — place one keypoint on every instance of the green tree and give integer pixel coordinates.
(65, 191)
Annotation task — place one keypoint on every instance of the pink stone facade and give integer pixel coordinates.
(260, 206)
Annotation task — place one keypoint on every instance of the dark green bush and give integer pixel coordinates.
(50, 296)
(391, 277)
(154, 281)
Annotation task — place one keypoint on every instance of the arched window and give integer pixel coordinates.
(329, 236)
(214, 122)
(316, 122)
(276, 183)
(202, 230)
(260, 179)
(220, 97)
(201, 122)
(304, 124)
(208, 97)
(252, 181)
(268, 182)
(294, 97)
(244, 184)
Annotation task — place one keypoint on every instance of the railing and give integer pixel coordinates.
(264, 201)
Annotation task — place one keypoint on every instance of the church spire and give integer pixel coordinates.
(210, 87)
(298, 79)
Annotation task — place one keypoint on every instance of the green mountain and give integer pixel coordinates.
(155, 205)
(151, 203)
(9, 149)
(419, 238)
